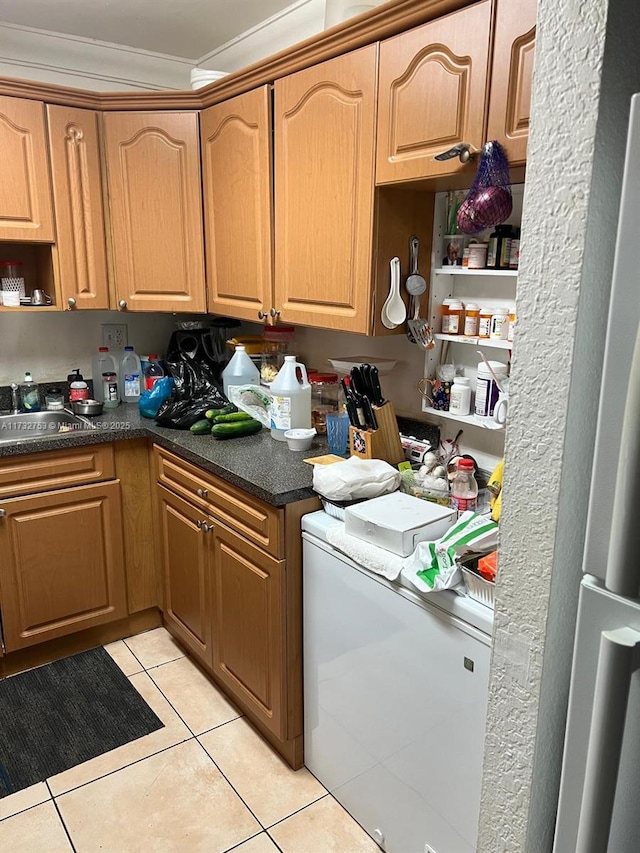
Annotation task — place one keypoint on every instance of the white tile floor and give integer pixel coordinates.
(205, 782)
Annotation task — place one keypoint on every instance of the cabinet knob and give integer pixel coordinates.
(3, 512)
(199, 524)
(262, 315)
(122, 304)
(274, 313)
(202, 493)
(462, 151)
(207, 528)
(71, 303)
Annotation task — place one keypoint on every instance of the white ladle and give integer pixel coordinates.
(394, 310)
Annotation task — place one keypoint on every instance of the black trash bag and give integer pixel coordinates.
(197, 373)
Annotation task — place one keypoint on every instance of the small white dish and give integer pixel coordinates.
(299, 439)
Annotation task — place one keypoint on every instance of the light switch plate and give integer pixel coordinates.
(114, 335)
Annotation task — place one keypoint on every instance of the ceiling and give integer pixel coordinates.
(185, 28)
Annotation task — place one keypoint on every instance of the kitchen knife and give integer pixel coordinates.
(369, 414)
(376, 391)
(357, 380)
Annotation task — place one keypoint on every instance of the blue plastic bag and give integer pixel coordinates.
(150, 401)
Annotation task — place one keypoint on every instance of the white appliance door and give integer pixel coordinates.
(599, 805)
(624, 319)
(395, 705)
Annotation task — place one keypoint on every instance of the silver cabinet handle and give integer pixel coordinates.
(122, 304)
(207, 528)
(71, 303)
(619, 658)
(202, 493)
(274, 313)
(3, 512)
(199, 523)
(462, 151)
(262, 315)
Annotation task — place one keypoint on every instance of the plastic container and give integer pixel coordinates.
(54, 399)
(452, 310)
(484, 322)
(110, 393)
(29, 394)
(464, 489)
(278, 341)
(499, 250)
(291, 406)
(152, 372)
(78, 388)
(499, 325)
(512, 324)
(514, 254)
(460, 396)
(486, 389)
(477, 255)
(240, 370)
(299, 439)
(324, 398)
(471, 319)
(131, 378)
(11, 283)
(102, 362)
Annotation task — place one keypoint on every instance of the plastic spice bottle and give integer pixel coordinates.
(471, 319)
(464, 489)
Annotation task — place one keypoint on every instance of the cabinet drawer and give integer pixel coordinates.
(41, 472)
(256, 520)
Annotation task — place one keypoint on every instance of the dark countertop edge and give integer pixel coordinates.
(81, 438)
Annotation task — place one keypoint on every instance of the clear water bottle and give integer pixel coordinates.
(291, 405)
(464, 489)
(102, 362)
(240, 370)
(152, 372)
(29, 394)
(131, 384)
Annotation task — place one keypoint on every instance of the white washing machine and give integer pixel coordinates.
(395, 693)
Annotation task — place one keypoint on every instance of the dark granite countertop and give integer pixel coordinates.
(258, 464)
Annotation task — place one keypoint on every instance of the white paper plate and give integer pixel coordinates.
(344, 364)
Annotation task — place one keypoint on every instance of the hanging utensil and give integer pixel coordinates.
(415, 283)
(394, 311)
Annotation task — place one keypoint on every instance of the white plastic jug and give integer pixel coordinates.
(240, 371)
(103, 362)
(131, 380)
(291, 403)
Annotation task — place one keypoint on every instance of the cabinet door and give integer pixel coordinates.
(26, 210)
(324, 158)
(248, 625)
(62, 567)
(185, 550)
(511, 78)
(77, 192)
(153, 164)
(236, 165)
(431, 95)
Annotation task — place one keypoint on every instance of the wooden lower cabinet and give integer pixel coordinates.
(62, 567)
(248, 598)
(185, 558)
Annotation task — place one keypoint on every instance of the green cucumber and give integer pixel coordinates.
(225, 410)
(232, 417)
(200, 427)
(235, 429)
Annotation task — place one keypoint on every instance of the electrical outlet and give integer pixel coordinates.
(114, 335)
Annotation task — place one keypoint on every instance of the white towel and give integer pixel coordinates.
(370, 556)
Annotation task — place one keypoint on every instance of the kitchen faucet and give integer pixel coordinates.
(15, 402)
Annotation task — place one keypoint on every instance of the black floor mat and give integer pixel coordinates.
(64, 713)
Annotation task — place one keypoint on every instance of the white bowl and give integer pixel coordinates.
(299, 439)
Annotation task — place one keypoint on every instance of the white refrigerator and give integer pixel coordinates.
(599, 805)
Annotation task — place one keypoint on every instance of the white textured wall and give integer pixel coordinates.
(580, 112)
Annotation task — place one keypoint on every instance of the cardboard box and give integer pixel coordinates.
(398, 522)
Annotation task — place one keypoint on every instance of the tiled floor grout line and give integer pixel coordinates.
(297, 811)
(57, 808)
(246, 840)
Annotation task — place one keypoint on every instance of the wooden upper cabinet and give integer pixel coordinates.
(26, 211)
(432, 95)
(324, 121)
(62, 567)
(153, 165)
(236, 165)
(511, 78)
(77, 192)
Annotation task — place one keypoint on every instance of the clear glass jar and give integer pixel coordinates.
(278, 341)
(324, 398)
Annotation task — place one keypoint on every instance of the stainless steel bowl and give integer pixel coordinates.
(88, 408)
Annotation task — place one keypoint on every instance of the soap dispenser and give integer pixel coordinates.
(29, 394)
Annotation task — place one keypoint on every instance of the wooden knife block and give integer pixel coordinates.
(382, 443)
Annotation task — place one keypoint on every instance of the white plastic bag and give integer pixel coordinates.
(254, 400)
(433, 566)
(355, 478)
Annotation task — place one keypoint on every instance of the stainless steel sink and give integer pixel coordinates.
(32, 425)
